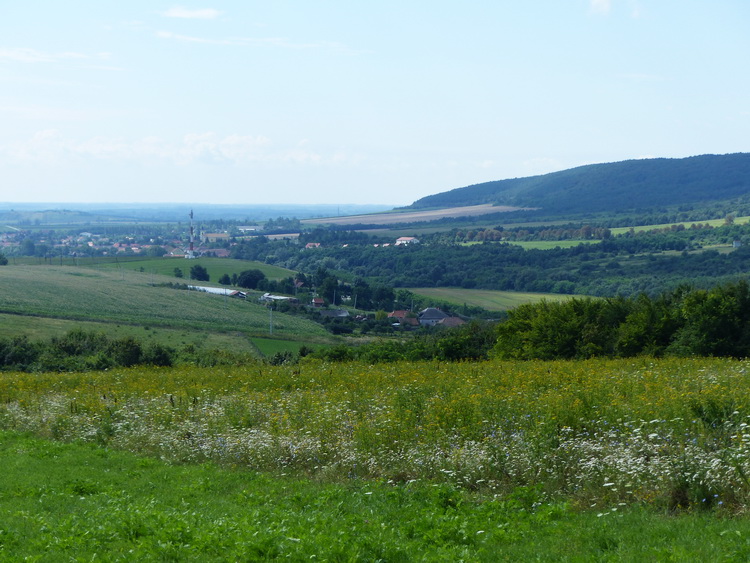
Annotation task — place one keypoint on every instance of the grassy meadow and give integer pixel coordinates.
(485, 298)
(51, 294)
(631, 459)
(216, 267)
(686, 224)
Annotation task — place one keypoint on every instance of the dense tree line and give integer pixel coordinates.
(623, 265)
(684, 322)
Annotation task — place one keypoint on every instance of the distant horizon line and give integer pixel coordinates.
(188, 204)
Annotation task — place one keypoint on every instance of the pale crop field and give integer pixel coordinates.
(485, 298)
(45, 328)
(127, 297)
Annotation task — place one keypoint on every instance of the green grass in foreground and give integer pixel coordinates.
(485, 298)
(82, 503)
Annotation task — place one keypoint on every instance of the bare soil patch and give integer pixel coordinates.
(396, 217)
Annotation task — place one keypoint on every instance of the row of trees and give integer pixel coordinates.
(81, 350)
(685, 322)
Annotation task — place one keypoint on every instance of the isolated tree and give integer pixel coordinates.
(250, 278)
(327, 289)
(225, 280)
(28, 248)
(178, 273)
(199, 273)
(3, 260)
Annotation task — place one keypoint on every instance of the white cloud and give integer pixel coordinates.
(254, 41)
(23, 55)
(26, 55)
(600, 6)
(189, 39)
(203, 14)
(50, 147)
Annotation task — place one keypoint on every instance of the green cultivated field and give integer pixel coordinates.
(52, 294)
(485, 298)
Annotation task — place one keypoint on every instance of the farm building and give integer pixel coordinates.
(406, 240)
(270, 298)
(431, 316)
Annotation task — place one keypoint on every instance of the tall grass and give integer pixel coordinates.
(673, 433)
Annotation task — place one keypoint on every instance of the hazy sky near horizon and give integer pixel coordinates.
(355, 102)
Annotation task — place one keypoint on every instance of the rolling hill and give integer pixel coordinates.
(109, 297)
(613, 187)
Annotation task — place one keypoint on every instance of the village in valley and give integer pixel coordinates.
(184, 243)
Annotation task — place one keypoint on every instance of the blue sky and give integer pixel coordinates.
(355, 102)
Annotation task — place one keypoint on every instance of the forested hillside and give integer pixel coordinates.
(613, 187)
(623, 265)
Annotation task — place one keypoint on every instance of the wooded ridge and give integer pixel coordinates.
(612, 187)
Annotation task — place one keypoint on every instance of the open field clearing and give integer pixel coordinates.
(539, 244)
(126, 297)
(485, 298)
(671, 434)
(396, 217)
(686, 224)
(74, 502)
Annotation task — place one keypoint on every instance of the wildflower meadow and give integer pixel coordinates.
(601, 434)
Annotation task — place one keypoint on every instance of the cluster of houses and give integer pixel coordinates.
(401, 241)
(431, 316)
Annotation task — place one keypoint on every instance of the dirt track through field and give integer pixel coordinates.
(412, 216)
